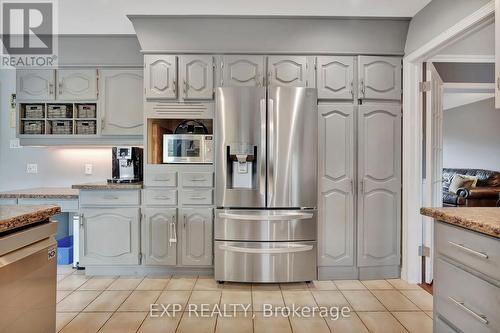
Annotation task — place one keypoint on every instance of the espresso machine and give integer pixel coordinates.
(127, 165)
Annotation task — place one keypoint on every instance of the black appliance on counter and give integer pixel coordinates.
(127, 165)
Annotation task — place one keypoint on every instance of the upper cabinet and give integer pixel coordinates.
(35, 84)
(160, 76)
(243, 70)
(121, 101)
(290, 71)
(335, 77)
(196, 76)
(379, 78)
(57, 85)
(77, 84)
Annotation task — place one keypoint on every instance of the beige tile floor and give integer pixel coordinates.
(109, 304)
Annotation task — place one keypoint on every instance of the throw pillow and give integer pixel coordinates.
(460, 181)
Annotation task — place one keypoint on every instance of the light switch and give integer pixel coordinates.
(88, 169)
(14, 144)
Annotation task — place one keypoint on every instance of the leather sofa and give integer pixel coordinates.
(485, 194)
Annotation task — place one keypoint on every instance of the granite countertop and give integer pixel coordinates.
(108, 186)
(41, 193)
(485, 220)
(16, 216)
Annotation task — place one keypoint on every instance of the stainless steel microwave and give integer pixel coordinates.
(188, 148)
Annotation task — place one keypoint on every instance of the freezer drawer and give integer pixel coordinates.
(265, 225)
(265, 261)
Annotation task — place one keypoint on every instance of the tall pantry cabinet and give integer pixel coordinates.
(359, 122)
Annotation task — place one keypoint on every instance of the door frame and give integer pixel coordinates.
(413, 136)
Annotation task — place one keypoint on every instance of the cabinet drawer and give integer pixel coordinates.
(197, 179)
(157, 176)
(110, 197)
(477, 251)
(196, 197)
(66, 205)
(159, 197)
(465, 300)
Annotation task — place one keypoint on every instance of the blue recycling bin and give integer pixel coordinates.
(65, 251)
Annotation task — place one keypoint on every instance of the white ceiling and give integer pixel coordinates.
(109, 16)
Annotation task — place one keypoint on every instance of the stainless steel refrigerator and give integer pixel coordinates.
(266, 184)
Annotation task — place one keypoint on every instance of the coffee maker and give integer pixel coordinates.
(127, 165)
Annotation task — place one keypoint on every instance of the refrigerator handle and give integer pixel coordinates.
(263, 146)
(270, 150)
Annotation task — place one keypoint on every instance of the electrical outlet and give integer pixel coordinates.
(14, 144)
(31, 168)
(88, 169)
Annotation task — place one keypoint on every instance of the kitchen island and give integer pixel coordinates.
(466, 268)
(28, 258)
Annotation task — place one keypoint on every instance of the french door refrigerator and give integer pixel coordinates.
(266, 184)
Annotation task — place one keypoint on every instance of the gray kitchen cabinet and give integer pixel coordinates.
(243, 70)
(379, 177)
(35, 85)
(76, 84)
(379, 78)
(196, 236)
(196, 76)
(336, 184)
(335, 77)
(109, 236)
(121, 101)
(159, 236)
(290, 71)
(160, 74)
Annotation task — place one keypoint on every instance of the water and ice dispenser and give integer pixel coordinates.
(241, 160)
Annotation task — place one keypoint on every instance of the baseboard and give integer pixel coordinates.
(147, 270)
(337, 273)
(358, 273)
(379, 272)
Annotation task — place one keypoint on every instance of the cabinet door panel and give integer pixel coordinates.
(121, 101)
(336, 169)
(159, 236)
(379, 199)
(35, 84)
(335, 77)
(109, 236)
(379, 78)
(197, 76)
(77, 84)
(243, 70)
(289, 71)
(196, 236)
(161, 76)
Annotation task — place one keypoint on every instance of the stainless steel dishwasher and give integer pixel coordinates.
(28, 268)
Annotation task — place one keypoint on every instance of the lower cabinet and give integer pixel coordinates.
(196, 236)
(109, 236)
(159, 236)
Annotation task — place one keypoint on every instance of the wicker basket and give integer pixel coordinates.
(33, 127)
(61, 127)
(86, 111)
(58, 111)
(86, 127)
(33, 111)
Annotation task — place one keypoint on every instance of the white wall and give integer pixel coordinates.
(437, 17)
(472, 136)
(109, 17)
